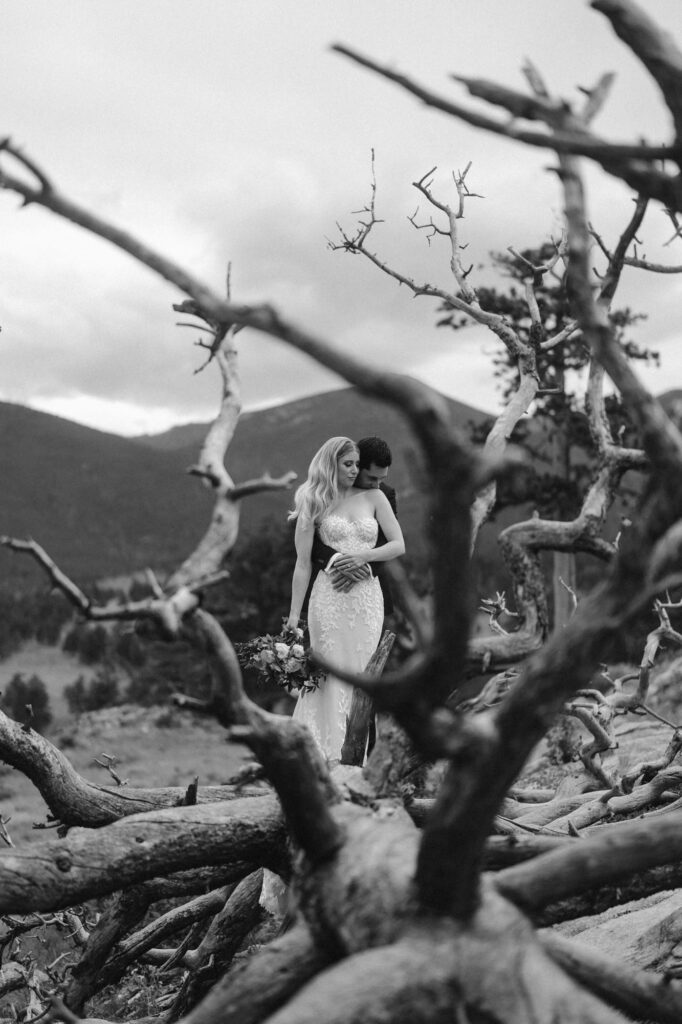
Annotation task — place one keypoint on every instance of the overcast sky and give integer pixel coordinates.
(226, 130)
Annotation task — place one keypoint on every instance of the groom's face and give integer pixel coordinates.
(371, 477)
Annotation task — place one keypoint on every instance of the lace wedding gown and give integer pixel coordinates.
(345, 629)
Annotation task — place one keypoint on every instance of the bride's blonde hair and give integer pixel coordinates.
(321, 488)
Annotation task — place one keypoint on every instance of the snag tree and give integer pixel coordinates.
(405, 908)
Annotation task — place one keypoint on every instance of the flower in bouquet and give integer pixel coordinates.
(282, 659)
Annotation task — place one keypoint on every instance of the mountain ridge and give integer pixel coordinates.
(102, 505)
(366, 416)
(105, 506)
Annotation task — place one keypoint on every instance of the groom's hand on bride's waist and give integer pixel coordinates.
(344, 574)
(340, 582)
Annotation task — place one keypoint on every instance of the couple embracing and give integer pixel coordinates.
(345, 523)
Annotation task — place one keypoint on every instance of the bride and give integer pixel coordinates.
(344, 626)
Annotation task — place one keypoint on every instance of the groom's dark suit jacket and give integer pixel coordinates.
(321, 554)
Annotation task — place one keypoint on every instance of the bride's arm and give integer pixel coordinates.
(305, 531)
(395, 544)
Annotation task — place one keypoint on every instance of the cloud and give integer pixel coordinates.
(224, 133)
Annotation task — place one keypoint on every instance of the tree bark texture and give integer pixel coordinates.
(59, 873)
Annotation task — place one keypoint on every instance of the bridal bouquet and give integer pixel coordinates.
(281, 659)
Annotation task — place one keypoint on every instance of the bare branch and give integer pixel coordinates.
(132, 947)
(540, 107)
(644, 994)
(632, 847)
(59, 579)
(633, 163)
(167, 611)
(73, 800)
(218, 946)
(654, 47)
(58, 873)
(262, 483)
(661, 439)
(124, 912)
(596, 97)
(618, 257)
(284, 747)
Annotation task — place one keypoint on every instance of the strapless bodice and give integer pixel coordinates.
(349, 534)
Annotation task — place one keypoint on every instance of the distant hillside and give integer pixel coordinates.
(672, 403)
(107, 506)
(185, 435)
(308, 422)
(99, 504)
(103, 505)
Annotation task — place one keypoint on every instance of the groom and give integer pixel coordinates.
(375, 460)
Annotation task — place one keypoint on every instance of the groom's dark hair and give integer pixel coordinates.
(374, 452)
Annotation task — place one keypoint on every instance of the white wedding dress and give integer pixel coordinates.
(345, 629)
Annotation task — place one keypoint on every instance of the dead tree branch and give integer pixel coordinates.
(59, 873)
(636, 164)
(632, 847)
(72, 800)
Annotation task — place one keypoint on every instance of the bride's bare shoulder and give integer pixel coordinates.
(378, 498)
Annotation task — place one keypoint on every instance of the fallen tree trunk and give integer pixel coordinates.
(73, 801)
(239, 836)
(642, 995)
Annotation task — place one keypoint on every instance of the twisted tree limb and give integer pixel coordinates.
(123, 912)
(131, 949)
(210, 960)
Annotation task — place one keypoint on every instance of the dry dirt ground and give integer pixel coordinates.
(158, 746)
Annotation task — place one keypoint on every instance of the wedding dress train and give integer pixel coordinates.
(345, 628)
